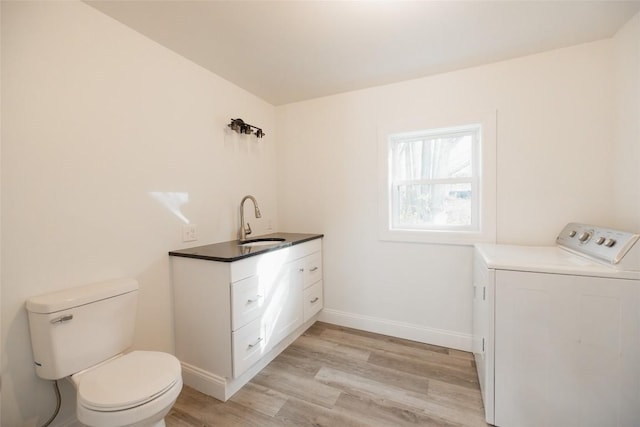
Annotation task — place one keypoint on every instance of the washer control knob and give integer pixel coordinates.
(600, 240)
(572, 233)
(610, 242)
(584, 236)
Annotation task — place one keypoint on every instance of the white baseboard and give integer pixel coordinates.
(440, 337)
(203, 381)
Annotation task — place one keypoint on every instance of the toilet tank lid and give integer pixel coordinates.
(80, 295)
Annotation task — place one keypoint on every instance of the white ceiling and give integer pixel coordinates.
(288, 51)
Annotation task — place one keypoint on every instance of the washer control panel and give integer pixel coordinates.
(605, 244)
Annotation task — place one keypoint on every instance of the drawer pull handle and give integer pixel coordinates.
(301, 270)
(62, 319)
(314, 269)
(250, 346)
(314, 300)
(251, 301)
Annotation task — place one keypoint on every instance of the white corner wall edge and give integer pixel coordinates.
(409, 331)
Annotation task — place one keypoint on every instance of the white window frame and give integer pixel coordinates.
(483, 181)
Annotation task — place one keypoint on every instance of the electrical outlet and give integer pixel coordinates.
(189, 232)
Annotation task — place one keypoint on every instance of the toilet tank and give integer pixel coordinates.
(74, 329)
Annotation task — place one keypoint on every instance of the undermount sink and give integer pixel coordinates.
(262, 242)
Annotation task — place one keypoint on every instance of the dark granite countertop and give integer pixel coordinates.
(232, 251)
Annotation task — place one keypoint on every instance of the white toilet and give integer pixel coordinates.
(82, 333)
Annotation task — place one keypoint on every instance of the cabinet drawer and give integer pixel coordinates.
(251, 266)
(305, 249)
(249, 344)
(313, 301)
(247, 301)
(244, 268)
(312, 269)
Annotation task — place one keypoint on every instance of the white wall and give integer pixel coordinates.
(626, 135)
(95, 118)
(554, 149)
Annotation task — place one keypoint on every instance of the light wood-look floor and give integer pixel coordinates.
(339, 377)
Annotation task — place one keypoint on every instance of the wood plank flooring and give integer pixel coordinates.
(339, 377)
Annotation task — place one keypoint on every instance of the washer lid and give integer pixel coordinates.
(128, 381)
(546, 259)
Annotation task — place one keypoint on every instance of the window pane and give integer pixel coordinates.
(432, 157)
(433, 205)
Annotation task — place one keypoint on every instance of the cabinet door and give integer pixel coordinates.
(283, 312)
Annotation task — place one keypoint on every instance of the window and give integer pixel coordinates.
(438, 184)
(434, 179)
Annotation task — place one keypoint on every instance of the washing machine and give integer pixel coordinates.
(556, 330)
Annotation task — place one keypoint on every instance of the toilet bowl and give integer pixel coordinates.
(83, 334)
(135, 389)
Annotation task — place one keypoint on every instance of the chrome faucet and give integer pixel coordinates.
(245, 230)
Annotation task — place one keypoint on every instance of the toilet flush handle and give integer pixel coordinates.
(62, 319)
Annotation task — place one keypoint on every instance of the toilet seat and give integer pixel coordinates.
(128, 381)
(136, 389)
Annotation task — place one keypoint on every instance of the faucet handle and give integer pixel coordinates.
(247, 229)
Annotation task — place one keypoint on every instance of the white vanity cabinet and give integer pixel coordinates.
(233, 318)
